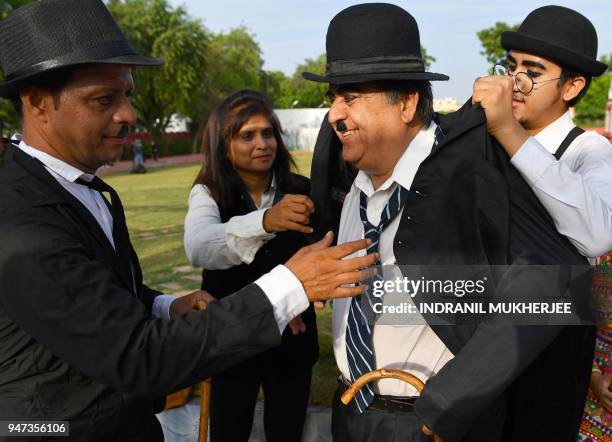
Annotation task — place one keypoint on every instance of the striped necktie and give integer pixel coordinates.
(361, 312)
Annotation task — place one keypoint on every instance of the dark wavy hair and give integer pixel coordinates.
(217, 172)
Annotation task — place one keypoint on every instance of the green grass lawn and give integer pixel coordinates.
(155, 207)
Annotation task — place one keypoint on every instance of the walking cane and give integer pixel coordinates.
(204, 398)
(375, 375)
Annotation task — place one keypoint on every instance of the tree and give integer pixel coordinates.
(427, 59)
(157, 29)
(233, 62)
(305, 93)
(274, 85)
(8, 6)
(591, 109)
(490, 39)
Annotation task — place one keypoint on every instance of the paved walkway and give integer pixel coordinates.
(182, 424)
(125, 166)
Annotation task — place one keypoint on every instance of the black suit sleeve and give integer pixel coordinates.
(56, 293)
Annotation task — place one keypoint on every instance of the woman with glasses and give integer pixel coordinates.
(247, 214)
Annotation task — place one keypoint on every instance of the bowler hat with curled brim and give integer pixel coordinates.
(373, 42)
(51, 34)
(559, 34)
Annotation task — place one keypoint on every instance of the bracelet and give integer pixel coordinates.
(595, 369)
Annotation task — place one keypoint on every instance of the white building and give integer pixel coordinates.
(446, 105)
(301, 126)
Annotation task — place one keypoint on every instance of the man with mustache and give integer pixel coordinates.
(436, 192)
(82, 339)
(551, 60)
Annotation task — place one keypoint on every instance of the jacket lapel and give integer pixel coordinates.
(54, 194)
(457, 123)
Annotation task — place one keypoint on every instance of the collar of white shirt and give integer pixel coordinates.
(553, 135)
(407, 166)
(272, 187)
(59, 168)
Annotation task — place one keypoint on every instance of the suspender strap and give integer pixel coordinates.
(571, 136)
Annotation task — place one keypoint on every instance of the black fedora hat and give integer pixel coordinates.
(373, 41)
(51, 34)
(560, 34)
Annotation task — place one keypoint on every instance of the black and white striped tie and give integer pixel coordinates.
(361, 313)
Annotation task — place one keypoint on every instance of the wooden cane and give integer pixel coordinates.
(375, 375)
(204, 398)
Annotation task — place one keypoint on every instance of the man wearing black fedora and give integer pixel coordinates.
(551, 60)
(438, 192)
(82, 339)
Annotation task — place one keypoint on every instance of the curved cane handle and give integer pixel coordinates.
(375, 375)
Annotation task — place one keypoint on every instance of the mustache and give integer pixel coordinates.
(341, 126)
(123, 132)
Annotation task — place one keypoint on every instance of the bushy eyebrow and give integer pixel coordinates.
(104, 89)
(528, 63)
(533, 64)
(343, 89)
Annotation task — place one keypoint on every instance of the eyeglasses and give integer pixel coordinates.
(524, 83)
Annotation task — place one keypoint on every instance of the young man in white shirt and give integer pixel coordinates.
(551, 60)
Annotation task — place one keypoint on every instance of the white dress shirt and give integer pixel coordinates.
(66, 175)
(576, 190)
(215, 245)
(413, 348)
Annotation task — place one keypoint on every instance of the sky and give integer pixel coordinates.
(289, 31)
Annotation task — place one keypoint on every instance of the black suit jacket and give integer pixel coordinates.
(75, 342)
(468, 206)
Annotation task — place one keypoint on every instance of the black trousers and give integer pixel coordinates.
(348, 425)
(234, 394)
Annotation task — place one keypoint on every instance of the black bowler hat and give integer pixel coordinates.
(560, 34)
(373, 41)
(52, 34)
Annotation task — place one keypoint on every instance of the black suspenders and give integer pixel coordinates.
(571, 136)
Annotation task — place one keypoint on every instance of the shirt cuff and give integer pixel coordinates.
(245, 235)
(161, 306)
(532, 160)
(286, 294)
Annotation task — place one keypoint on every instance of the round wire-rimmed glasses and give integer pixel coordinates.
(524, 83)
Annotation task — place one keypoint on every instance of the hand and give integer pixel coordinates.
(297, 326)
(495, 96)
(430, 433)
(186, 303)
(322, 271)
(292, 212)
(601, 385)
(319, 305)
